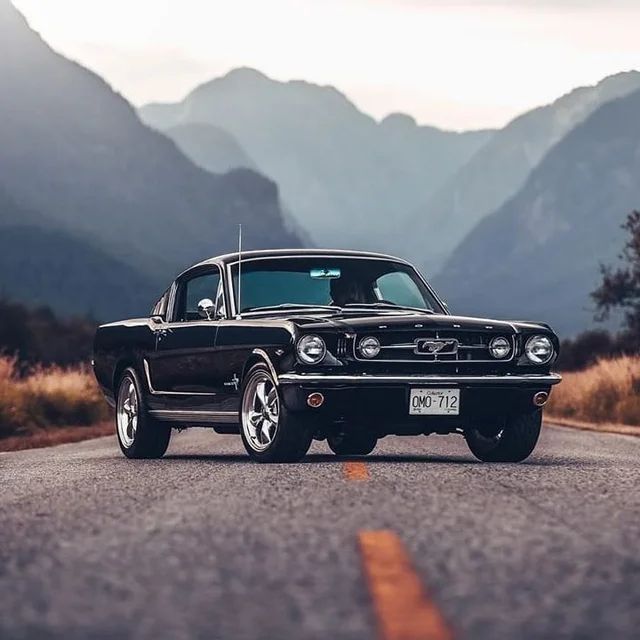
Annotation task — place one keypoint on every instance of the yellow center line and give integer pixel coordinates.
(403, 607)
(356, 471)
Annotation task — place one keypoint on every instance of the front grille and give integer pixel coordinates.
(402, 346)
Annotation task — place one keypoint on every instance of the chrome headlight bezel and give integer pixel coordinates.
(533, 343)
(500, 347)
(372, 344)
(311, 349)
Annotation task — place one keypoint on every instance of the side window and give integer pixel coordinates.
(194, 290)
(399, 288)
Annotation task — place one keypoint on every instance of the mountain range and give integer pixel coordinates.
(391, 186)
(74, 154)
(45, 266)
(101, 205)
(343, 175)
(538, 255)
(211, 148)
(501, 167)
(472, 232)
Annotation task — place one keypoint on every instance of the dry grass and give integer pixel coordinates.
(47, 398)
(607, 392)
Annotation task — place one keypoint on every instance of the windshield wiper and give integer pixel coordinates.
(386, 305)
(292, 305)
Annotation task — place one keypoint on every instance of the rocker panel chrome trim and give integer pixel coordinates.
(217, 417)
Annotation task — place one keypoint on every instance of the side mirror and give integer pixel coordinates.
(157, 319)
(206, 308)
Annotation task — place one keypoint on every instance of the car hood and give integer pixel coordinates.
(366, 321)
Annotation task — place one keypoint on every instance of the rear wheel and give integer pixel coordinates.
(270, 432)
(139, 435)
(512, 442)
(357, 442)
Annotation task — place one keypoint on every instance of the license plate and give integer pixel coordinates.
(434, 402)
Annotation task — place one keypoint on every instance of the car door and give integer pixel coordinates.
(183, 362)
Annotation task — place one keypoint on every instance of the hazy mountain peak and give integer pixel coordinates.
(237, 79)
(575, 102)
(14, 28)
(9, 12)
(251, 90)
(74, 151)
(244, 74)
(501, 167)
(399, 121)
(338, 169)
(561, 225)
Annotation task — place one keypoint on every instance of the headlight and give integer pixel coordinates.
(500, 348)
(311, 349)
(369, 347)
(539, 349)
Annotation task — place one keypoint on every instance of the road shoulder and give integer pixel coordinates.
(620, 429)
(55, 436)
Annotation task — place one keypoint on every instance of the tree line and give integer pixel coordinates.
(38, 336)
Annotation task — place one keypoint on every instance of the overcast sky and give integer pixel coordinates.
(456, 64)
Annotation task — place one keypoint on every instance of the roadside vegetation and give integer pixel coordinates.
(602, 370)
(39, 337)
(589, 347)
(607, 392)
(47, 399)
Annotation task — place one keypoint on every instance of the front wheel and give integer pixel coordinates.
(139, 435)
(271, 433)
(514, 441)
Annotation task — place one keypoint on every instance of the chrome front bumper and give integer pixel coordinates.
(526, 380)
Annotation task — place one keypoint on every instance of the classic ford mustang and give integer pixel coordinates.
(286, 346)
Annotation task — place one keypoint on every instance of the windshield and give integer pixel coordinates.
(336, 283)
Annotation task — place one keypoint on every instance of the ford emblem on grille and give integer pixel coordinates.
(436, 347)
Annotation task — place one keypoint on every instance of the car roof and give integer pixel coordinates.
(230, 258)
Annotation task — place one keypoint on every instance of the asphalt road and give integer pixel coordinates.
(205, 544)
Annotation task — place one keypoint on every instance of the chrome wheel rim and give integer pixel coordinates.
(260, 412)
(127, 412)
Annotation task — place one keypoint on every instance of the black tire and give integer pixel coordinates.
(291, 434)
(149, 438)
(356, 442)
(514, 443)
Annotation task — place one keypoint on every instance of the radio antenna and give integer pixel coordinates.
(239, 309)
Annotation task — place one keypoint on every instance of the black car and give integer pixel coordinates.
(284, 347)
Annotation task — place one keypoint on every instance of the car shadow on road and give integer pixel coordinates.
(213, 457)
(439, 459)
(398, 458)
(392, 457)
(324, 458)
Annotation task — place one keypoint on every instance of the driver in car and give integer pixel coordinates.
(347, 290)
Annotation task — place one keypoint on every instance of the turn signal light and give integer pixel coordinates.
(315, 400)
(540, 398)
